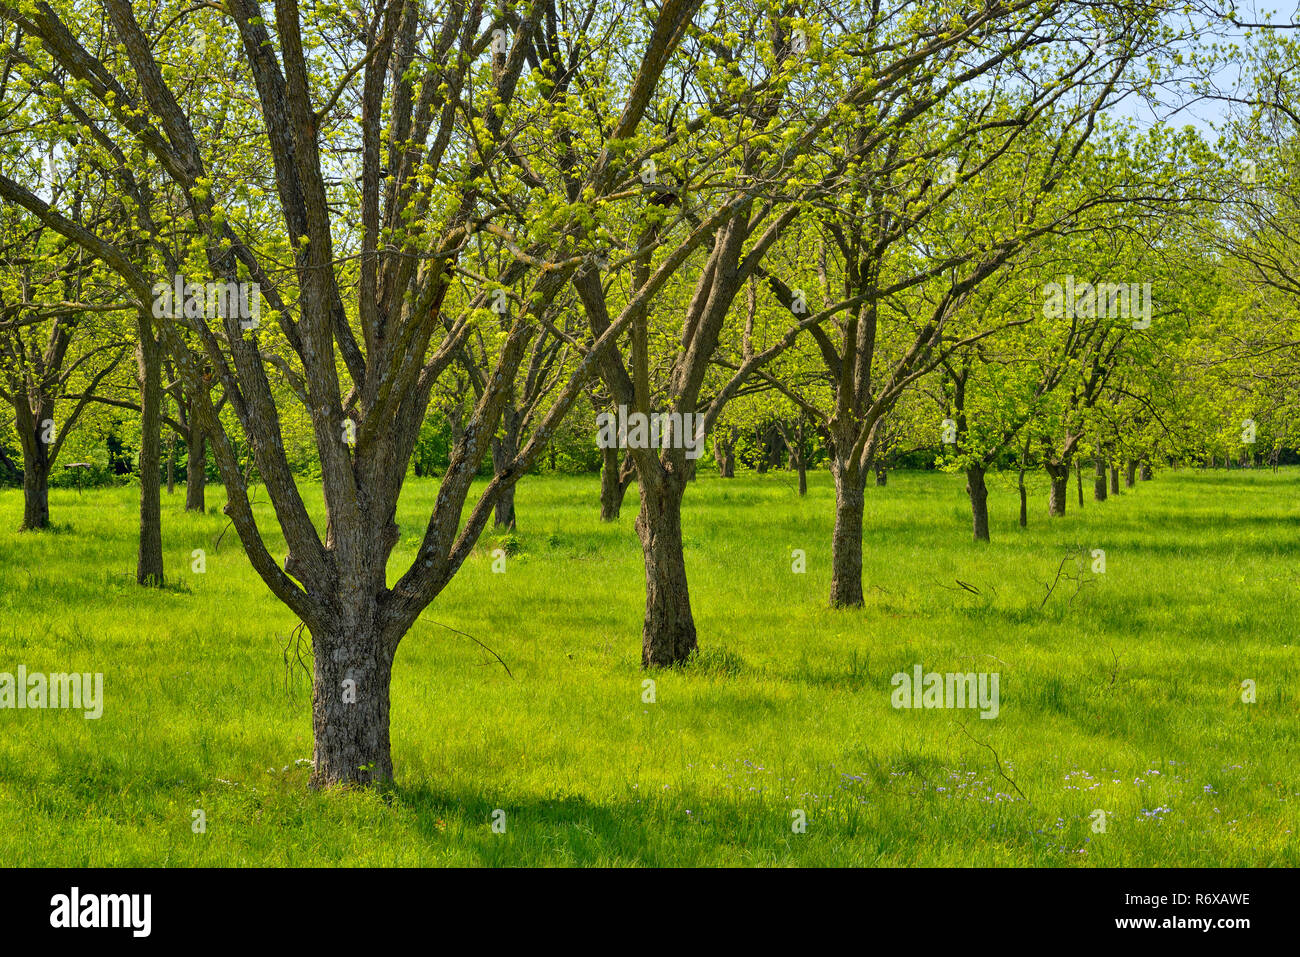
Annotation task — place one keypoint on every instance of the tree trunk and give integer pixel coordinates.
(724, 452)
(1060, 482)
(798, 459)
(1130, 473)
(1099, 480)
(668, 634)
(171, 463)
(350, 704)
(1114, 480)
(149, 562)
(979, 501)
(504, 449)
(1078, 481)
(846, 546)
(611, 489)
(9, 472)
(1144, 472)
(196, 476)
(36, 477)
(882, 476)
(1020, 484)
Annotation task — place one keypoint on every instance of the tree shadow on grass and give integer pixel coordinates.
(575, 831)
(563, 830)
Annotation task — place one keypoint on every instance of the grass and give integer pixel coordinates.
(1121, 693)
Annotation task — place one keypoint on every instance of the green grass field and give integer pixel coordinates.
(1122, 694)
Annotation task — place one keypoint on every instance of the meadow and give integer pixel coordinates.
(1121, 692)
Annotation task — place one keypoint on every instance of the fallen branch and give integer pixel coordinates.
(997, 760)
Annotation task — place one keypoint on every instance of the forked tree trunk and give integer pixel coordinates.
(979, 501)
(1099, 480)
(350, 704)
(668, 633)
(1059, 476)
(149, 561)
(196, 476)
(616, 477)
(846, 545)
(1130, 473)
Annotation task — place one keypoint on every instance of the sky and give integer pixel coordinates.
(1206, 115)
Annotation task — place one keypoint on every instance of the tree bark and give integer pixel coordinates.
(149, 561)
(350, 704)
(617, 473)
(724, 450)
(504, 449)
(1114, 480)
(802, 462)
(846, 545)
(1099, 480)
(1060, 480)
(979, 501)
(611, 493)
(1144, 472)
(1130, 473)
(36, 477)
(668, 634)
(196, 476)
(1020, 484)
(882, 476)
(1078, 481)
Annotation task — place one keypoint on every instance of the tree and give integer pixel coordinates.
(49, 350)
(956, 173)
(440, 103)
